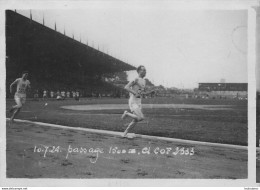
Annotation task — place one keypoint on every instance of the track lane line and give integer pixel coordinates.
(115, 133)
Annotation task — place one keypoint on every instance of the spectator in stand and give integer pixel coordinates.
(73, 94)
(58, 95)
(63, 94)
(77, 95)
(36, 95)
(68, 94)
(52, 94)
(44, 96)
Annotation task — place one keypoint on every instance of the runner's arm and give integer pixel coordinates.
(148, 92)
(11, 86)
(129, 85)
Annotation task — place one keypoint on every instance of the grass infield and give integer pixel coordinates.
(218, 126)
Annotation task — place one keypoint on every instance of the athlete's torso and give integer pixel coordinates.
(139, 85)
(22, 86)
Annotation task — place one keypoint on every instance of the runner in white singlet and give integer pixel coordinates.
(136, 88)
(22, 85)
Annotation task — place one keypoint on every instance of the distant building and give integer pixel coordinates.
(223, 90)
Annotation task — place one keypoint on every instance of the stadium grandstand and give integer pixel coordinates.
(223, 90)
(56, 61)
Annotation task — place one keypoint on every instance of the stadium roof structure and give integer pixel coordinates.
(33, 46)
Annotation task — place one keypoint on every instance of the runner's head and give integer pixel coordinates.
(141, 71)
(25, 74)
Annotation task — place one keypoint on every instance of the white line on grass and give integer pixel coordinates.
(114, 133)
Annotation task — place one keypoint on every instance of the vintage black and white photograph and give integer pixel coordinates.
(126, 91)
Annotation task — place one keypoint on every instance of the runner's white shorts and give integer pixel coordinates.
(135, 104)
(20, 99)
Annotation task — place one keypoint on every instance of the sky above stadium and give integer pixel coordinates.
(178, 48)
